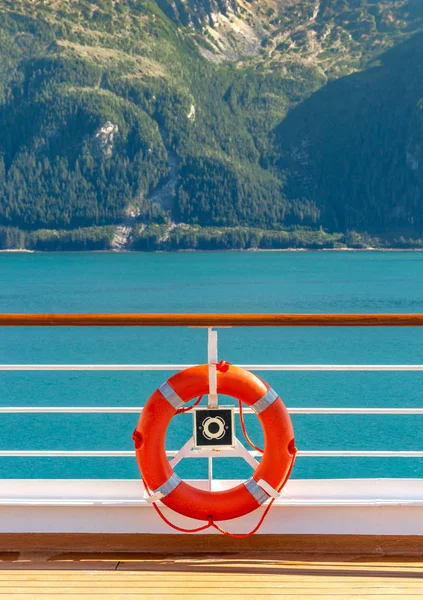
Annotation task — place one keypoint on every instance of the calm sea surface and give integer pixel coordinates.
(208, 282)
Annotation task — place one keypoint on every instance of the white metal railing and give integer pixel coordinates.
(205, 453)
(198, 453)
(187, 450)
(138, 409)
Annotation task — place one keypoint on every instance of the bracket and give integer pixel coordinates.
(239, 451)
(212, 360)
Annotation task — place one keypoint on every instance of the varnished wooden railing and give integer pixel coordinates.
(213, 320)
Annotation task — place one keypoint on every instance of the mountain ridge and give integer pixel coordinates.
(103, 103)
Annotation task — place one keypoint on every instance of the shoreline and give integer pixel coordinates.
(189, 250)
(18, 250)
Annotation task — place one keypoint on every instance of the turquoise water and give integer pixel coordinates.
(211, 282)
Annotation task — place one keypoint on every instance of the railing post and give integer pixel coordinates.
(212, 362)
(212, 397)
(210, 470)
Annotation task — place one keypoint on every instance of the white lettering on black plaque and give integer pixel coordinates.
(214, 427)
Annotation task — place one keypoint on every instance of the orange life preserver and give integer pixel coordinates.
(158, 475)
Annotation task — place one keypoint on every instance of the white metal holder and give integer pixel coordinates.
(189, 451)
(154, 497)
(212, 360)
(268, 488)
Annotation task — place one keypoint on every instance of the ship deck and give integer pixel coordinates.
(117, 576)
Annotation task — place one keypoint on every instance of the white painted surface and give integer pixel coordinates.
(212, 359)
(361, 506)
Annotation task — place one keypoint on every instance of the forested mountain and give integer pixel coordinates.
(211, 123)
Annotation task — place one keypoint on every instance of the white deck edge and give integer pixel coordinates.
(339, 506)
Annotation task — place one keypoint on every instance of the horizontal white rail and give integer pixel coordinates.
(138, 409)
(364, 453)
(82, 367)
(173, 367)
(171, 453)
(169, 367)
(67, 453)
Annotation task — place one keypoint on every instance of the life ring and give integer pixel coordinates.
(158, 475)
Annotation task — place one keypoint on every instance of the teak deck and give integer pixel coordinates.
(118, 576)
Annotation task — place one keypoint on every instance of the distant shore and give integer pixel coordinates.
(189, 250)
(18, 250)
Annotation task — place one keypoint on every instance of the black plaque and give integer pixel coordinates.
(214, 427)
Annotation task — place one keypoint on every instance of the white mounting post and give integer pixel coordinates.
(212, 362)
(212, 398)
(210, 471)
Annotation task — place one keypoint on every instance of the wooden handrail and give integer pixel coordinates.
(212, 320)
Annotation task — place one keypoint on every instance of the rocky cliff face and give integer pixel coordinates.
(336, 35)
(223, 29)
(199, 13)
(105, 138)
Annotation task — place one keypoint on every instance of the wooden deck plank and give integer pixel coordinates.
(201, 575)
(227, 577)
(52, 566)
(226, 583)
(179, 570)
(363, 592)
(230, 580)
(207, 589)
(291, 583)
(116, 575)
(253, 595)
